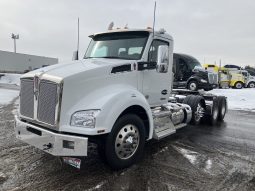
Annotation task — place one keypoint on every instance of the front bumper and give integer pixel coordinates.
(54, 143)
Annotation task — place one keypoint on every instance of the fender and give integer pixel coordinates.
(111, 101)
(233, 82)
(195, 78)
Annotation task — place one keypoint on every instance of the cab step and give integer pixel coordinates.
(162, 134)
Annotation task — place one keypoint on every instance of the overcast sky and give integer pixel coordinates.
(209, 30)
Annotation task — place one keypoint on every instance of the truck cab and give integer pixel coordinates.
(249, 80)
(188, 73)
(117, 97)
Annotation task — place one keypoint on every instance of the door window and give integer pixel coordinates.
(153, 53)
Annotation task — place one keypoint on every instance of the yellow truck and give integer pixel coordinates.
(227, 77)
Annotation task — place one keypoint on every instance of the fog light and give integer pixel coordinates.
(68, 144)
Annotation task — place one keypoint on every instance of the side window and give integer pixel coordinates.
(245, 74)
(183, 65)
(132, 52)
(153, 52)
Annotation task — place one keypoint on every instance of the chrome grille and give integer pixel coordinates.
(213, 78)
(47, 102)
(27, 98)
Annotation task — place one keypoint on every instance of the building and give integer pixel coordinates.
(20, 63)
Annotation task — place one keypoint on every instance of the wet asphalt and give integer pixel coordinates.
(195, 158)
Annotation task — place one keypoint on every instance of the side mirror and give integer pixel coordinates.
(163, 59)
(75, 55)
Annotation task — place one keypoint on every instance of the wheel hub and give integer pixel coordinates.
(129, 140)
(199, 113)
(239, 85)
(193, 86)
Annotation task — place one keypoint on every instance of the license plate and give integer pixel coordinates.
(75, 162)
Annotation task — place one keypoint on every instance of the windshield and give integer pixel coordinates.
(194, 63)
(120, 45)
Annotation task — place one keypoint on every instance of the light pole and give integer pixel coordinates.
(14, 37)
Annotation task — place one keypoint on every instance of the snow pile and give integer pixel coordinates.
(7, 96)
(238, 99)
(10, 79)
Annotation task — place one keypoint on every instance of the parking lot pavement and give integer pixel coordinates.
(195, 158)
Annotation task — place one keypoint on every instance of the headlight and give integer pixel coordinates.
(84, 118)
(203, 81)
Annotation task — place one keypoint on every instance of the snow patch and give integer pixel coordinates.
(10, 79)
(238, 99)
(97, 186)
(208, 164)
(190, 155)
(7, 96)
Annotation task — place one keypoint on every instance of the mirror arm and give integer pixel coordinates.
(146, 66)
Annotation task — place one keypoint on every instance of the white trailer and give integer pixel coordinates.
(20, 63)
(119, 96)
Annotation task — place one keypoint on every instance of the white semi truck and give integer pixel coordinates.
(118, 96)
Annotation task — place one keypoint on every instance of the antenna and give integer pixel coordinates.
(154, 17)
(76, 53)
(78, 42)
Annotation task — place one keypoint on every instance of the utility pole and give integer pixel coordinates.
(15, 37)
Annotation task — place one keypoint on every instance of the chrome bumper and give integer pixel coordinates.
(54, 143)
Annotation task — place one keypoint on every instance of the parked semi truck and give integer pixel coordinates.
(228, 77)
(118, 97)
(189, 74)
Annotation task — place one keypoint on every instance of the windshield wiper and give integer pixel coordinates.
(115, 57)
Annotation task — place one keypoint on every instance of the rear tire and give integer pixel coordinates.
(251, 85)
(213, 118)
(222, 105)
(124, 145)
(197, 104)
(238, 85)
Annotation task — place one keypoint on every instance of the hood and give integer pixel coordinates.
(64, 70)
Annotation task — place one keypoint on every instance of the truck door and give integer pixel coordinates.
(175, 71)
(246, 76)
(156, 86)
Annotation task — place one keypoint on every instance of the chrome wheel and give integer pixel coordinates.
(127, 141)
(193, 86)
(239, 85)
(199, 113)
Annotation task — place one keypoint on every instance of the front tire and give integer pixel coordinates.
(238, 85)
(124, 145)
(193, 85)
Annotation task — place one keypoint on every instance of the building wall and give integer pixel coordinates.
(16, 62)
